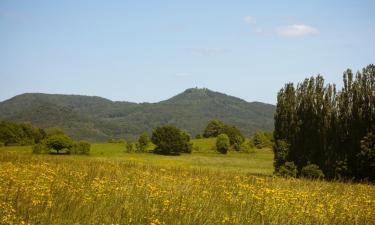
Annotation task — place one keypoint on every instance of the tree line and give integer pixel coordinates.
(19, 134)
(326, 130)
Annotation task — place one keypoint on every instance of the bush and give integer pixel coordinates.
(170, 140)
(143, 142)
(40, 148)
(288, 169)
(130, 147)
(247, 147)
(222, 143)
(2, 144)
(312, 171)
(59, 142)
(81, 148)
(235, 136)
(262, 139)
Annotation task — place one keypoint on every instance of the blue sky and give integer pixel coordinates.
(147, 51)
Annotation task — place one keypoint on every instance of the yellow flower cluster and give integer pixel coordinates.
(52, 190)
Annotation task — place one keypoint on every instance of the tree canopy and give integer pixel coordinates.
(171, 140)
(316, 124)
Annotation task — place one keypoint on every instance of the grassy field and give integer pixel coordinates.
(113, 187)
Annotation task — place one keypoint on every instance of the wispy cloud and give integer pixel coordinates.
(209, 51)
(249, 20)
(182, 74)
(296, 30)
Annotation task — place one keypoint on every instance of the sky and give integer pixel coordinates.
(148, 51)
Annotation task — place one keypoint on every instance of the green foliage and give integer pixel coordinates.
(40, 148)
(217, 127)
(288, 169)
(235, 136)
(20, 133)
(213, 128)
(170, 140)
(59, 142)
(222, 143)
(312, 171)
(97, 119)
(143, 142)
(366, 156)
(326, 127)
(80, 148)
(55, 131)
(130, 147)
(280, 150)
(247, 146)
(2, 144)
(262, 139)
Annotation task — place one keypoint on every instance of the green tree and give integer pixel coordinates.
(325, 127)
(143, 142)
(366, 157)
(59, 142)
(262, 139)
(222, 143)
(170, 140)
(235, 136)
(213, 128)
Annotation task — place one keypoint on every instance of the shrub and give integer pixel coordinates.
(2, 144)
(262, 139)
(143, 142)
(222, 143)
(235, 136)
(247, 147)
(40, 148)
(288, 169)
(81, 148)
(312, 171)
(170, 140)
(130, 147)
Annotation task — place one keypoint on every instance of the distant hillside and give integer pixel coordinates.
(97, 119)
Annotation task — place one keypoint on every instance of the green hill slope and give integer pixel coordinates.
(97, 119)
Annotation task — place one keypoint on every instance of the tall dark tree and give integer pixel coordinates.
(315, 124)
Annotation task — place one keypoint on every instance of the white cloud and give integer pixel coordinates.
(249, 20)
(209, 51)
(296, 30)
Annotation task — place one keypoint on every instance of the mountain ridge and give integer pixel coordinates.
(97, 119)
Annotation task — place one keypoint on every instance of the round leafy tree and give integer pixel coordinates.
(170, 140)
(222, 143)
(59, 142)
(213, 129)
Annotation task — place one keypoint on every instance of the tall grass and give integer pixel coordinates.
(67, 190)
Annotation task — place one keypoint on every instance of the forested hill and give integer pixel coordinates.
(97, 119)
